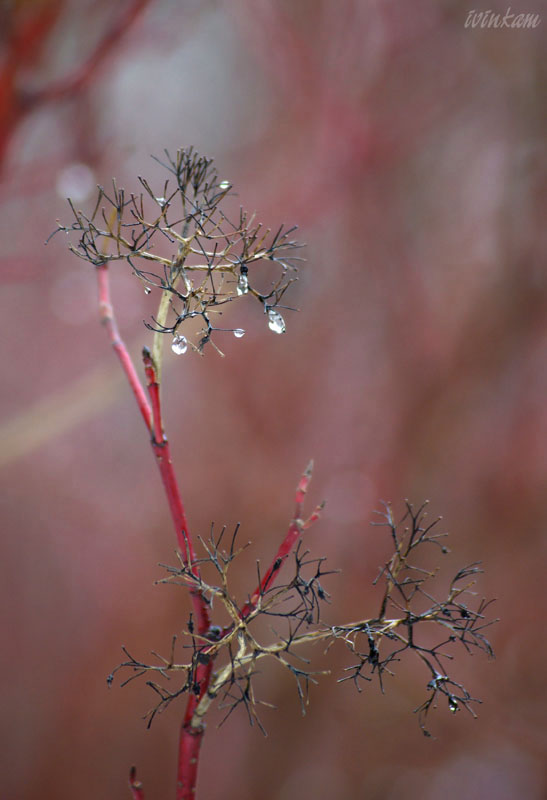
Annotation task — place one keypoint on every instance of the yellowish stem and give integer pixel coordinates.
(163, 310)
(157, 347)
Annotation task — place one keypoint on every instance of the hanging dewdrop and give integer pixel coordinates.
(243, 283)
(276, 323)
(179, 345)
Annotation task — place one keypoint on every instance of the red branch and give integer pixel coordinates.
(107, 318)
(189, 748)
(28, 26)
(154, 394)
(135, 785)
(292, 536)
(190, 736)
(87, 70)
(160, 445)
(162, 452)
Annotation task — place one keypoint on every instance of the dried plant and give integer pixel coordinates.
(182, 245)
(210, 259)
(376, 644)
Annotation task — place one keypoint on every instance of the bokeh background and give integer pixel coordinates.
(409, 149)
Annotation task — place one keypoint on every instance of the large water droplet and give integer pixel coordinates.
(242, 284)
(276, 323)
(179, 345)
(224, 185)
(239, 332)
(452, 704)
(147, 289)
(161, 201)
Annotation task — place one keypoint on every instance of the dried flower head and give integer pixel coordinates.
(181, 242)
(410, 622)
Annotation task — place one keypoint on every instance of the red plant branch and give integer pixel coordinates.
(151, 414)
(27, 29)
(296, 528)
(25, 33)
(189, 747)
(191, 735)
(106, 314)
(154, 394)
(135, 785)
(87, 70)
(162, 452)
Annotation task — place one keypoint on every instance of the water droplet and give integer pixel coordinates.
(161, 201)
(276, 323)
(242, 284)
(179, 345)
(239, 332)
(224, 185)
(147, 289)
(452, 704)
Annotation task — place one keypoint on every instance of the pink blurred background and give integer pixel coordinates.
(410, 150)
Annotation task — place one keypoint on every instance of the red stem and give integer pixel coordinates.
(162, 452)
(291, 538)
(26, 41)
(154, 394)
(107, 318)
(135, 785)
(189, 749)
(86, 71)
(190, 736)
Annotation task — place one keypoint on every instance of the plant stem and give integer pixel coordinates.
(191, 737)
(294, 532)
(165, 301)
(157, 347)
(106, 314)
(191, 734)
(162, 452)
(189, 749)
(135, 785)
(106, 47)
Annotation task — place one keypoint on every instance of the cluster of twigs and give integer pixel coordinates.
(377, 644)
(412, 620)
(181, 242)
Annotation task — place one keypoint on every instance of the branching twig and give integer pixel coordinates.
(376, 644)
(296, 528)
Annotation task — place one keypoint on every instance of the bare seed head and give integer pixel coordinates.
(181, 242)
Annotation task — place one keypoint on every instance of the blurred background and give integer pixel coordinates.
(409, 149)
